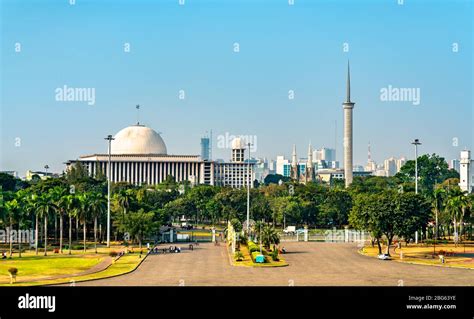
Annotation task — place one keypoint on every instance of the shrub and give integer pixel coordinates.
(13, 271)
(274, 255)
(238, 256)
(254, 248)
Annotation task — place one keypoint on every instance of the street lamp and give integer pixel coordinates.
(416, 142)
(248, 189)
(109, 138)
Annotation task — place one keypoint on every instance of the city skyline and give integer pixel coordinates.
(235, 93)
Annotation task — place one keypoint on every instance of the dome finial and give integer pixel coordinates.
(138, 114)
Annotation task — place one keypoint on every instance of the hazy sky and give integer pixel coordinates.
(191, 47)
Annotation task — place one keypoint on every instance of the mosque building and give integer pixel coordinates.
(138, 155)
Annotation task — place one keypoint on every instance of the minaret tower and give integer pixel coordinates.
(309, 165)
(465, 171)
(348, 106)
(294, 165)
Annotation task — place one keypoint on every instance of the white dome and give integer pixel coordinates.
(138, 139)
(238, 144)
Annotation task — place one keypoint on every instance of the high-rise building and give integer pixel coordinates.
(324, 154)
(205, 148)
(238, 150)
(282, 166)
(400, 162)
(455, 164)
(348, 106)
(390, 166)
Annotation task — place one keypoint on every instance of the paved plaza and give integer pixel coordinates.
(310, 264)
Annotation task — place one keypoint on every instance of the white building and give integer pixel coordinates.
(324, 154)
(466, 178)
(139, 156)
(400, 162)
(390, 166)
(280, 165)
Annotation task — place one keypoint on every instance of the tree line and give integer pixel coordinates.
(72, 208)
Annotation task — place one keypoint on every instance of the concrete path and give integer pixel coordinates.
(311, 264)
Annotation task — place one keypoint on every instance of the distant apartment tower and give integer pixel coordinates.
(400, 162)
(281, 165)
(390, 166)
(205, 148)
(455, 164)
(325, 154)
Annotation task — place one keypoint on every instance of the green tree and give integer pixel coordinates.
(44, 208)
(84, 213)
(269, 236)
(72, 207)
(438, 203)
(336, 207)
(58, 196)
(432, 170)
(12, 211)
(97, 206)
(140, 224)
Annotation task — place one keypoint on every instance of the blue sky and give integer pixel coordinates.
(191, 47)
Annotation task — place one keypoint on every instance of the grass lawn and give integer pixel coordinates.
(31, 267)
(125, 264)
(36, 269)
(423, 254)
(248, 262)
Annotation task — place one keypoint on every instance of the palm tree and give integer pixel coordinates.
(23, 212)
(58, 195)
(454, 205)
(122, 200)
(33, 205)
(45, 207)
(83, 213)
(71, 204)
(465, 204)
(438, 205)
(12, 208)
(97, 206)
(269, 236)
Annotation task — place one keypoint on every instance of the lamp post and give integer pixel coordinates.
(109, 138)
(248, 189)
(416, 142)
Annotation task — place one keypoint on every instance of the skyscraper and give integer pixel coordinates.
(390, 166)
(205, 148)
(348, 106)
